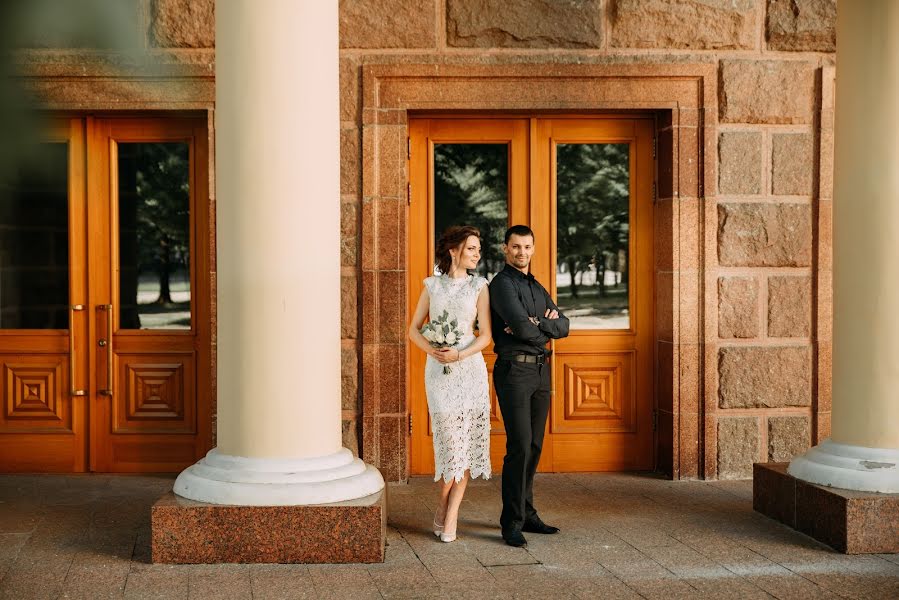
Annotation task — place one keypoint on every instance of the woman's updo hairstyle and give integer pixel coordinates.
(452, 237)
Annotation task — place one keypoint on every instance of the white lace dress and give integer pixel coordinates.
(459, 401)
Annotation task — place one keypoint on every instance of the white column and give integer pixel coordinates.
(277, 235)
(863, 452)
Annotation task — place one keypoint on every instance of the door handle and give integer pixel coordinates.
(73, 308)
(107, 343)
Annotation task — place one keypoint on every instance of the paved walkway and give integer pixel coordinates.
(623, 536)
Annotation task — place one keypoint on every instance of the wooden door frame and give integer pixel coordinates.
(682, 96)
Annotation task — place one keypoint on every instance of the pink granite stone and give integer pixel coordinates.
(185, 531)
(849, 521)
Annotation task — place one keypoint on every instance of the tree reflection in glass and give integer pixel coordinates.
(471, 187)
(593, 226)
(154, 235)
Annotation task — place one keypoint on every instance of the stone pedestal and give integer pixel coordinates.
(186, 531)
(848, 521)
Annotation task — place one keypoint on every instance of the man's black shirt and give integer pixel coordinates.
(514, 297)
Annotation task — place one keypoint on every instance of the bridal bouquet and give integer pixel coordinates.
(442, 333)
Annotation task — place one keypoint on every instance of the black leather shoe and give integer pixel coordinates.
(514, 538)
(535, 525)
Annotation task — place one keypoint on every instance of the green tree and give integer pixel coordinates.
(593, 191)
(471, 188)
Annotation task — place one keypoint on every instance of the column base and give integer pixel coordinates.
(849, 467)
(224, 479)
(190, 532)
(849, 521)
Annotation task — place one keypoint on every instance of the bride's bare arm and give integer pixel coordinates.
(418, 319)
(484, 336)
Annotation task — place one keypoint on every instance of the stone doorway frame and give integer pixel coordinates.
(683, 96)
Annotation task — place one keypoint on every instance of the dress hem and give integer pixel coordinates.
(458, 477)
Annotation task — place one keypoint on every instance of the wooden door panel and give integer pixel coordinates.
(597, 394)
(155, 393)
(424, 134)
(43, 360)
(151, 354)
(602, 405)
(35, 394)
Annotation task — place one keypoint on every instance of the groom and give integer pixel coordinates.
(524, 318)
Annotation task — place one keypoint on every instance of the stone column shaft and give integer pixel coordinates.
(863, 452)
(277, 237)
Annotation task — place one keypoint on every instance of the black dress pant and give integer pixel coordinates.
(523, 390)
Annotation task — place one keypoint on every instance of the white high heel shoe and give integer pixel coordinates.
(447, 537)
(438, 528)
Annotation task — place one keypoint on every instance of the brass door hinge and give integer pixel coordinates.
(409, 193)
(410, 423)
(653, 148)
(655, 419)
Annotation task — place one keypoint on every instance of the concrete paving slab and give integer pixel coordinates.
(623, 536)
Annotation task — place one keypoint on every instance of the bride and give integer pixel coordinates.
(458, 401)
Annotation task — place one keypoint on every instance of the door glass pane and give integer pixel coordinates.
(471, 187)
(593, 234)
(154, 235)
(34, 242)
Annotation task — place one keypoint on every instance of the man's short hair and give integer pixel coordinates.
(521, 230)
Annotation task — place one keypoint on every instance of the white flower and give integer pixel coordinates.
(439, 338)
(451, 338)
(428, 334)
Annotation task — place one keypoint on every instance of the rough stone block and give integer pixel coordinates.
(350, 435)
(189, 532)
(764, 235)
(348, 313)
(349, 379)
(350, 82)
(387, 24)
(694, 24)
(766, 91)
(348, 234)
(738, 307)
(350, 167)
(740, 162)
(183, 23)
(789, 306)
(787, 437)
(523, 23)
(792, 164)
(738, 446)
(802, 25)
(764, 377)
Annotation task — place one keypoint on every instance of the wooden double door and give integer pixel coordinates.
(585, 187)
(105, 298)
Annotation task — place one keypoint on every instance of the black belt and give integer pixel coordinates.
(530, 358)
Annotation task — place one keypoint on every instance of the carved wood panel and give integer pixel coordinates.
(597, 395)
(33, 394)
(153, 389)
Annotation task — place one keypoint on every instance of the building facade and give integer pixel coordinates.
(704, 336)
